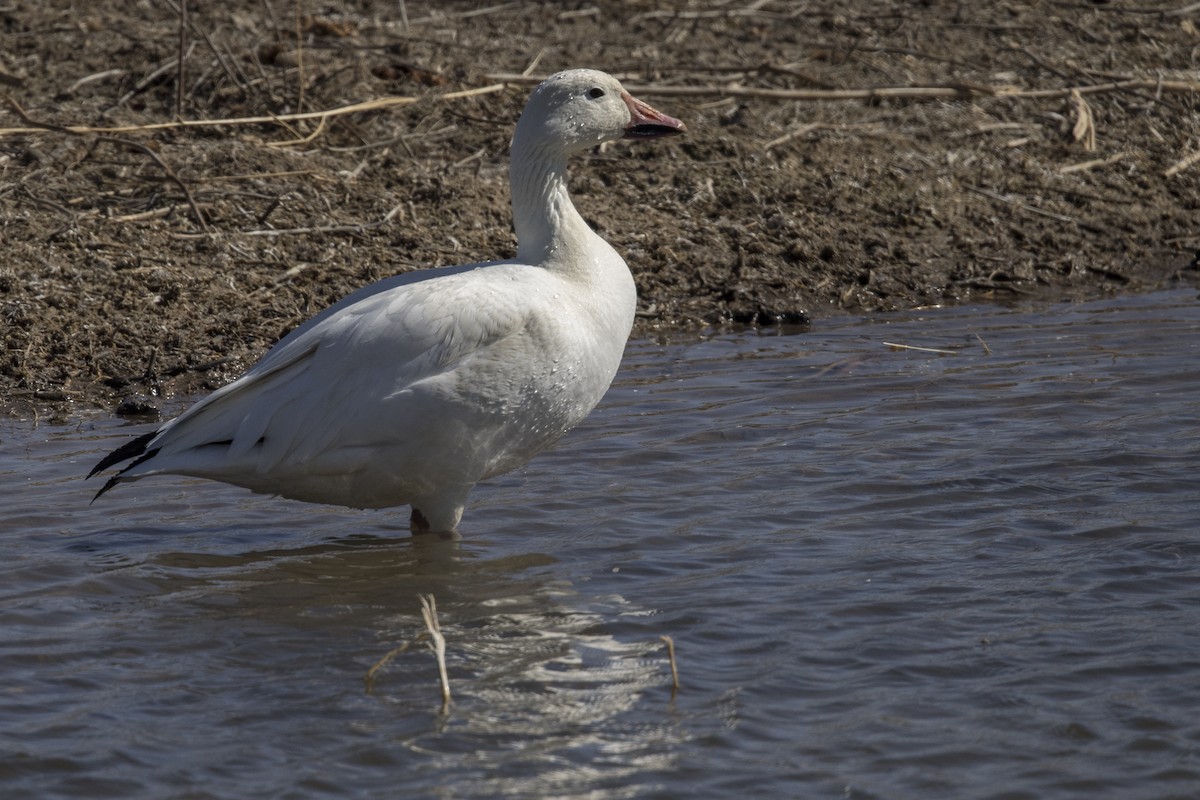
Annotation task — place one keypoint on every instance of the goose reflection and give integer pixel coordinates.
(539, 676)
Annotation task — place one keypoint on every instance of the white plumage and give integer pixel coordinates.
(413, 389)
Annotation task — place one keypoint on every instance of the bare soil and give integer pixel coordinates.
(850, 156)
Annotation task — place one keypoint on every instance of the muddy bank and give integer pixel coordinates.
(157, 239)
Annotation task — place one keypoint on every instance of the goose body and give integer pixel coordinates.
(413, 389)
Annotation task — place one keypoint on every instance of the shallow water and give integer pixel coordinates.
(889, 573)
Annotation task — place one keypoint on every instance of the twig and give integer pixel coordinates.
(588, 11)
(299, 62)
(1096, 162)
(534, 63)
(809, 127)
(257, 176)
(503, 80)
(354, 108)
(170, 173)
(20, 112)
(221, 59)
(303, 139)
(142, 216)
(987, 351)
(462, 162)
(433, 637)
(993, 127)
(751, 10)
(904, 51)
(674, 668)
(279, 280)
(438, 646)
(895, 346)
(141, 85)
(359, 228)
(1182, 164)
(1031, 209)
(179, 73)
(795, 133)
(483, 12)
(50, 204)
(1182, 12)
(1187, 87)
(96, 76)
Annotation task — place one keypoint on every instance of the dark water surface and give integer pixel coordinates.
(889, 573)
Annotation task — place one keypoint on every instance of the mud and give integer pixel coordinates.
(841, 157)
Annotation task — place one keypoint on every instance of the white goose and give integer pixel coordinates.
(414, 389)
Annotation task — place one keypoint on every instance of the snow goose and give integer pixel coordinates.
(413, 389)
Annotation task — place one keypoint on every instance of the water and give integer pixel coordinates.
(889, 574)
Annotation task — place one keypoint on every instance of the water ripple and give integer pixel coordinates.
(889, 573)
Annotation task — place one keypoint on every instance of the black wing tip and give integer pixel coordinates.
(135, 449)
(103, 465)
(110, 483)
(120, 476)
(131, 449)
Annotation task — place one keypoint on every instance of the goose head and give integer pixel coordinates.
(580, 108)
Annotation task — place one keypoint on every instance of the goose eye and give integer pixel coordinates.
(595, 92)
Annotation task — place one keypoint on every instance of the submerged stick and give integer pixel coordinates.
(433, 637)
(438, 645)
(369, 678)
(674, 667)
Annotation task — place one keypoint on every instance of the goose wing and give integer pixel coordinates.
(331, 374)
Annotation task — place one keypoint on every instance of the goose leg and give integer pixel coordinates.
(417, 522)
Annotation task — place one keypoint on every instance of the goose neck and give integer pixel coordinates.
(547, 225)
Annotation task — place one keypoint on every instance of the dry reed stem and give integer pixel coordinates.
(505, 79)
(354, 108)
(947, 90)
(303, 139)
(1084, 129)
